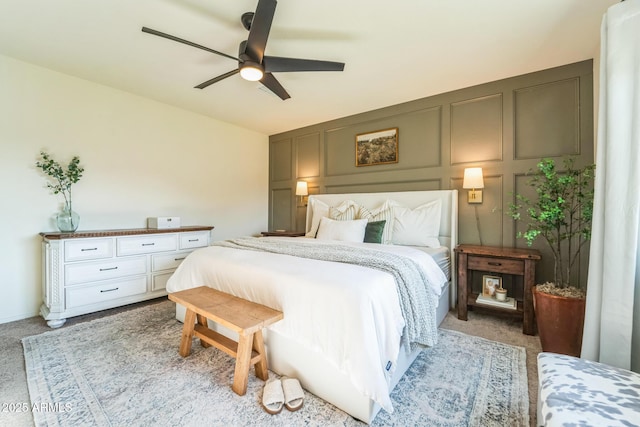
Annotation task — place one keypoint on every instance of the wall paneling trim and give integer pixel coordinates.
(505, 127)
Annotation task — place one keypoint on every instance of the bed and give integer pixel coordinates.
(344, 335)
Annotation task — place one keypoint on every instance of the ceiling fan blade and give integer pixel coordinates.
(217, 79)
(274, 86)
(278, 64)
(260, 27)
(187, 42)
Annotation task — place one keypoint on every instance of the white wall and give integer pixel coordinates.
(141, 158)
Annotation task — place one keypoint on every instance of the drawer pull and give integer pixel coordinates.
(109, 290)
(88, 249)
(179, 259)
(194, 240)
(148, 244)
(110, 268)
(495, 263)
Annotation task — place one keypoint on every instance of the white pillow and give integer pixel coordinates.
(384, 212)
(346, 231)
(345, 211)
(417, 227)
(318, 210)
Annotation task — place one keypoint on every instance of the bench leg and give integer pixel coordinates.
(243, 363)
(187, 333)
(261, 365)
(202, 321)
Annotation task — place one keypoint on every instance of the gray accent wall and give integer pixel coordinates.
(505, 127)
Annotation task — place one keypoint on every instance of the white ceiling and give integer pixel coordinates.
(394, 51)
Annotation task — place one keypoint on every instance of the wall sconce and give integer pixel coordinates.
(473, 180)
(302, 191)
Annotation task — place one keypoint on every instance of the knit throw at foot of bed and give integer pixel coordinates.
(125, 370)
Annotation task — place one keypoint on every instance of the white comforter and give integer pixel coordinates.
(349, 314)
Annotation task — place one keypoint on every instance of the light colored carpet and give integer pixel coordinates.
(125, 370)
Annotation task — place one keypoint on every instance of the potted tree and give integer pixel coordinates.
(561, 216)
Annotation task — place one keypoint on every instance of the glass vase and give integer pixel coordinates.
(67, 219)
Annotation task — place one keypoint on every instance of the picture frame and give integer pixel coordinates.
(490, 284)
(377, 148)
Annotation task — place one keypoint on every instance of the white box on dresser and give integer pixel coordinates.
(163, 222)
(88, 271)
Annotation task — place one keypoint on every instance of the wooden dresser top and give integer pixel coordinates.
(121, 232)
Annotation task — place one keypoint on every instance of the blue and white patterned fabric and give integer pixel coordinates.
(578, 392)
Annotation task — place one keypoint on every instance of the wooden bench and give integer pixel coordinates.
(244, 317)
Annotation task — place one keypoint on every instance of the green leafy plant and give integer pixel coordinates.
(60, 179)
(560, 215)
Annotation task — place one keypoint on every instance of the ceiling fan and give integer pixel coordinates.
(253, 64)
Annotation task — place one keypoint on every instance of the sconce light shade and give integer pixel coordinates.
(473, 180)
(302, 189)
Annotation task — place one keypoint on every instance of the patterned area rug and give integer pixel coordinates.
(125, 370)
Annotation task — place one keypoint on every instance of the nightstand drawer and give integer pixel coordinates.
(496, 265)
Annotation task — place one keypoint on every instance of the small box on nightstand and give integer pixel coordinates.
(161, 222)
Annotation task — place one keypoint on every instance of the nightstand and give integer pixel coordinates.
(283, 233)
(520, 263)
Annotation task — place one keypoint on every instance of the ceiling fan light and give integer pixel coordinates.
(252, 72)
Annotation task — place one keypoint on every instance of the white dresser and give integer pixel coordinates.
(88, 271)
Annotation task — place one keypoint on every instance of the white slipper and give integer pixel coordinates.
(293, 394)
(273, 396)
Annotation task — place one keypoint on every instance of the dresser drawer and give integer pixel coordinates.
(85, 249)
(146, 244)
(103, 270)
(161, 262)
(160, 281)
(194, 240)
(79, 296)
(495, 265)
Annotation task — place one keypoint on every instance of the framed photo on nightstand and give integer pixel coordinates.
(490, 284)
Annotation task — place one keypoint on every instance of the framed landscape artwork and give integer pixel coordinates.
(377, 148)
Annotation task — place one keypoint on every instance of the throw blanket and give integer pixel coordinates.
(415, 295)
